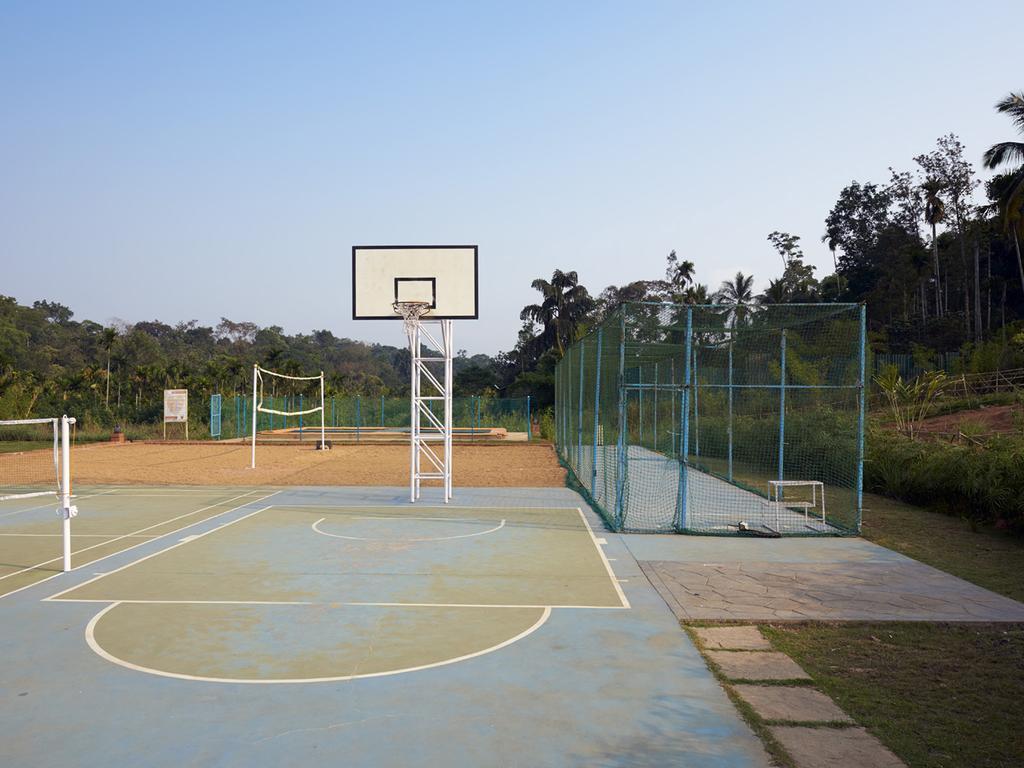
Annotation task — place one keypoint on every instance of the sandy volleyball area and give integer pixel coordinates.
(523, 464)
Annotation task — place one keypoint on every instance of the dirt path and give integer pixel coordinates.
(228, 464)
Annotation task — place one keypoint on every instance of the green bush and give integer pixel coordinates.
(984, 484)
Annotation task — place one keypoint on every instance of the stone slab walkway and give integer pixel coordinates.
(809, 579)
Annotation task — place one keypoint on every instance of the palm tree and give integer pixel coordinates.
(109, 337)
(934, 212)
(564, 305)
(1011, 200)
(777, 292)
(738, 295)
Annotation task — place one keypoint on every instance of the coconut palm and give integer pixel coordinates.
(564, 305)
(109, 337)
(1011, 199)
(934, 212)
(738, 295)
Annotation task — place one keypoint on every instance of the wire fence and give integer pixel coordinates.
(713, 419)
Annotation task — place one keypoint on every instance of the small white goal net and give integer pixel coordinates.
(285, 405)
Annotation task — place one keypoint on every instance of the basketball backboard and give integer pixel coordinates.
(444, 276)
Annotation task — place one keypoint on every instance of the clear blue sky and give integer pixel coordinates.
(175, 161)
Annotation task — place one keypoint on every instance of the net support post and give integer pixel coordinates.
(621, 463)
(529, 421)
(860, 415)
(255, 376)
(579, 415)
(782, 408)
(696, 405)
(597, 413)
(682, 499)
(323, 430)
(655, 408)
(67, 510)
(729, 422)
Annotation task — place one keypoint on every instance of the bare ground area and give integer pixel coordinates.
(523, 464)
(992, 419)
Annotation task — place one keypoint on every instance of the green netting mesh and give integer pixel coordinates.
(357, 415)
(712, 419)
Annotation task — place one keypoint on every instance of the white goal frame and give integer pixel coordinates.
(257, 403)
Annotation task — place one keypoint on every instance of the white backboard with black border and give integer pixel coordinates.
(444, 276)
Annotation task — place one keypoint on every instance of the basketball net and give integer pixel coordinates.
(411, 312)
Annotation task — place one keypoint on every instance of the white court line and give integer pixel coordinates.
(52, 504)
(604, 559)
(392, 538)
(125, 536)
(133, 546)
(187, 540)
(90, 638)
(86, 535)
(332, 603)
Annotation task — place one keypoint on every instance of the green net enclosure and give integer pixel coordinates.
(717, 419)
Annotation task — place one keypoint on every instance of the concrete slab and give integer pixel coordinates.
(797, 704)
(733, 638)
(877, 589)
(757, 665)
(834, 748)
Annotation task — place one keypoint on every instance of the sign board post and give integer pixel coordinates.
(176, 408)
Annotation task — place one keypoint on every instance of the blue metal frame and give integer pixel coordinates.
(696, 406)
(529, 421)
(684, 451)
(215, 406)
(729, 427)
(579, 418)
(860, 414)
(620, 480)
(782, 409)
(597, 414)
(655, 407)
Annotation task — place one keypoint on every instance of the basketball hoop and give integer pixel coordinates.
(411, 312)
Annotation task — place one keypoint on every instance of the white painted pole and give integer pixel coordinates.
(323, 438)
(65, 502)
(255, 373)
(414, 341)
(448, 349)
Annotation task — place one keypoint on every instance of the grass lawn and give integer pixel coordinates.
(984, 556)
(936, 694)
(14, 446)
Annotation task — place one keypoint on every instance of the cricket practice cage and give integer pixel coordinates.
(718, 419)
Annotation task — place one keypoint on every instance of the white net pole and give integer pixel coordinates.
(67, 511)
(255, 408)
(323, 436)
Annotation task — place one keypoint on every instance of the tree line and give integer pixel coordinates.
(934, 254)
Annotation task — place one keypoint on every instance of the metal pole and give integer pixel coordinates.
(730, 411)
(655, 407)
(597, 415)
(359, 415)
(529, 422)
(672, 399)
(323, 436)
(414, 343)
(682, 502)
(782, 409)
(255, 373)
(67, 511)
(579, 418)
(696, 405)
(860, 414)
(622, 461)
(446, 331)
(640, 404)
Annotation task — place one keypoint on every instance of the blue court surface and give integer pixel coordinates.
(345, 626)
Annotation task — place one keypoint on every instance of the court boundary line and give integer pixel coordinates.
(438, 538)
(123, 536)
(151, 539)
(604, 559)
(96, 648)
(189, 540)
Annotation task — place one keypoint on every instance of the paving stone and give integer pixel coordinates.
(805, 705)
(834, 748)
(757, 665)
(733, 638)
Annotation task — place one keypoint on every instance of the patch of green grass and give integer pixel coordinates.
(14, 446)
(987, 557)
(938, 695)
